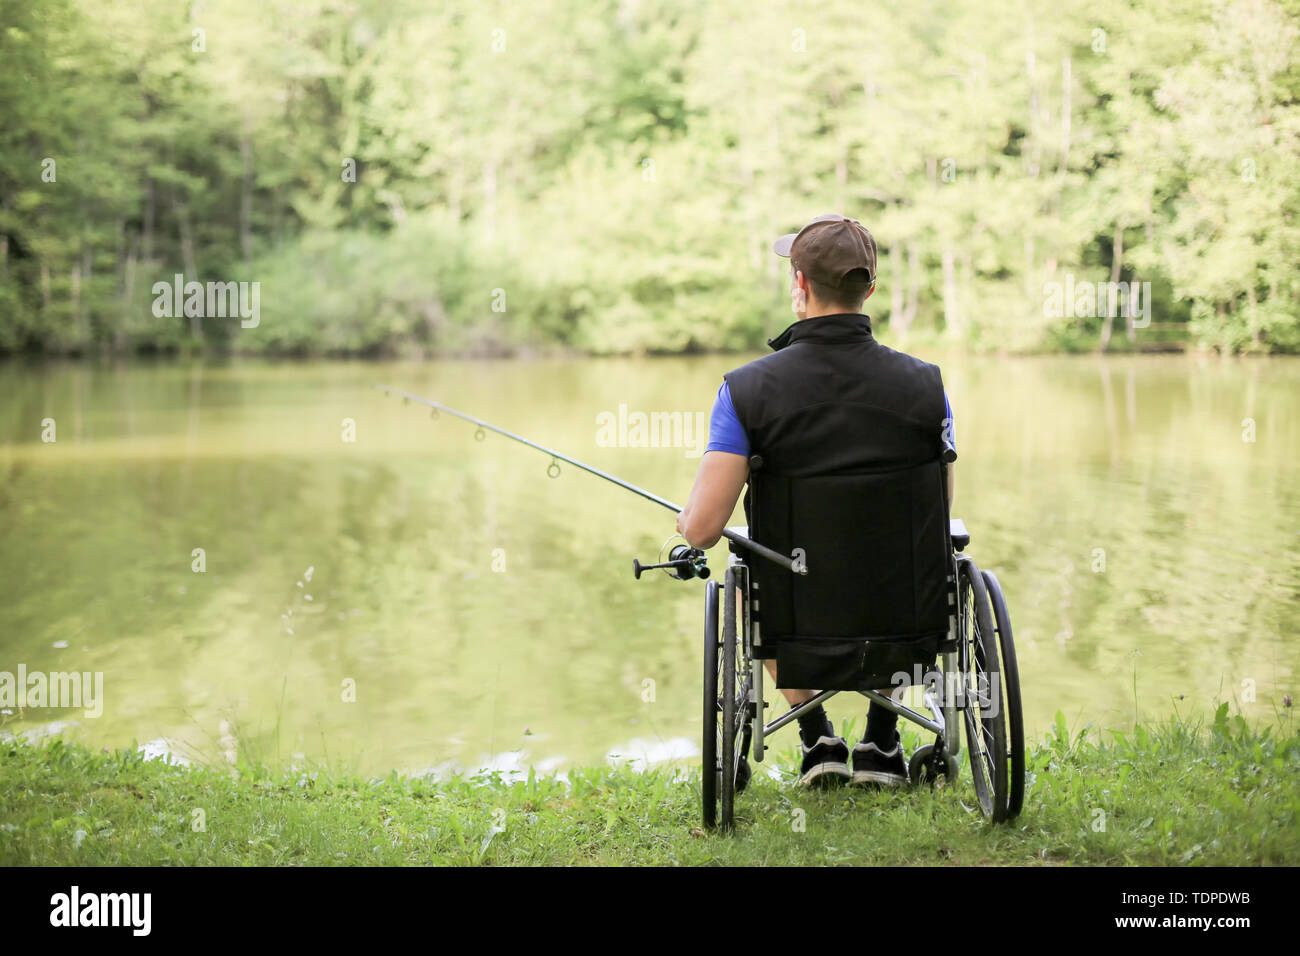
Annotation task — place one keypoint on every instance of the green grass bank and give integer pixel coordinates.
(1177, 793)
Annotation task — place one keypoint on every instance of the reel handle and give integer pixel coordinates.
(683, 563)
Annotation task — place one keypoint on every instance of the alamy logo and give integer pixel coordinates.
(948, 689)
(102, 909)
(1094, 299)
(653, 430)
(216, 300)
(56, 689)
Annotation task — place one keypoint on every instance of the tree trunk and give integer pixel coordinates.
(149, 213)
(119, 250)
(1064, 167)
(1116, 269)
(277, 217)
(4, 244)
(1116, 266)
(246, 200)
(78, 318)
(187, 257)
(457, 185)
(128, 298)
(913, 285)
(896, 288)
(1029, 270)
(951, 309)
(1256, 330)
(87, 254)
(511, 208)
(1063, 160)
(1031, 81)
(965, 277)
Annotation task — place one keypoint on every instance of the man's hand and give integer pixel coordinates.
(717, 488)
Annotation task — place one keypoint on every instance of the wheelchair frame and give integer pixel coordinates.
(978, 686)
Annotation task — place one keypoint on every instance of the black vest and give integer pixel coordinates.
(849, 433)
(831, 399)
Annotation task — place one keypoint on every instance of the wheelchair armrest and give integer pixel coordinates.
(737, 552)
(958, 534)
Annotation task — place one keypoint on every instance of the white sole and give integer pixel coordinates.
(830, 767)
(863, 778)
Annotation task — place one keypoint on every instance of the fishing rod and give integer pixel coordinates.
(681, 563)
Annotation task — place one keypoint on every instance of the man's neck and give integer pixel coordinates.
(826, 310)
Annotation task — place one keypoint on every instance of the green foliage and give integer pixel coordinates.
(620, 169)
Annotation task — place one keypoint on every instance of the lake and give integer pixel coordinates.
(275, 560)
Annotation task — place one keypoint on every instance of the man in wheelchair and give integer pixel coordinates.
(835, 435)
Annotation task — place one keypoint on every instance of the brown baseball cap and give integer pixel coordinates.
(830, 249)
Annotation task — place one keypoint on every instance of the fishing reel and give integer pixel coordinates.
(684, 563)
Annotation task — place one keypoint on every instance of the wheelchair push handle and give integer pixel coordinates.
(684, 563)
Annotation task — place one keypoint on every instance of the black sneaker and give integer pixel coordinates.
(825, 764)
(879, 768)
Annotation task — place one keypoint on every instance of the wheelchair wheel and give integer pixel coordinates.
(981, 688)
(927, 766)
(734, 702)
(1010, 695)
(710, 768)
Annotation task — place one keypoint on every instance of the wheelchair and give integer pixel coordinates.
(960, 651)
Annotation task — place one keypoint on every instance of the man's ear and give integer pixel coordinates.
(870, 290)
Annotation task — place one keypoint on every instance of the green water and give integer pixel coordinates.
(487, 616)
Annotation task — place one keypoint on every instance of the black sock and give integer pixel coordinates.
(881, 724)
(813, 724)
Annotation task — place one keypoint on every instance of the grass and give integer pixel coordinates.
(1177, 793)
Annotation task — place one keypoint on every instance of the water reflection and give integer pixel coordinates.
(457, 596)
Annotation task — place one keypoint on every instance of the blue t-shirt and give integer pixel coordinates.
(727, 434)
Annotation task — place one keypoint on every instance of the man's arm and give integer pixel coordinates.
(951, 435)
(721, 478)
